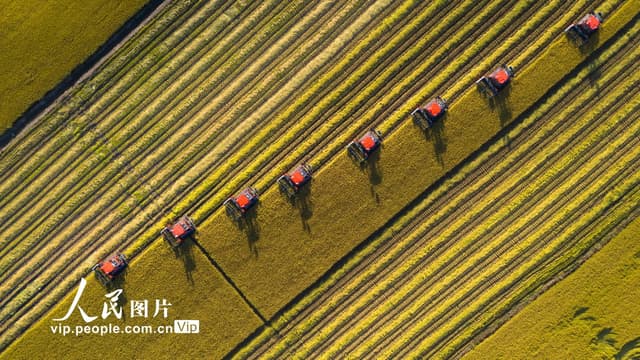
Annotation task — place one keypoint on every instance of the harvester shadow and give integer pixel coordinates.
(580, 311)
(184, 252)
(372, 168)
(115, 284)
(249, 225)
(302, 202)
(628, 349)
(595, 73)
(435, 134)
(590, 45)
(500, 103)
(603, 336)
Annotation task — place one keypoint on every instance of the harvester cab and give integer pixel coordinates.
(238, 206)
(583, 29)
(176, 233)
(362, 148)
(426, 116)
(291, 183)
(108, 269)
(499, 79)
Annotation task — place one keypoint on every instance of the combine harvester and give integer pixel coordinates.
(583, 30)
(361, 149)
(238, 206)
(108, 269)
(492, 84)
(290, 184)
(426, 116)
(177, 233)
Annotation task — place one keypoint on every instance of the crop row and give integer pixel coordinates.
(372, 293)
(103, 176)
(98, 232)
(121, 227)
(108, 78)
(453, 253)
(382, 267)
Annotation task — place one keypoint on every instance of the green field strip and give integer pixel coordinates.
(195, 290)
(374, 294)
(567, 320)
(401, 156)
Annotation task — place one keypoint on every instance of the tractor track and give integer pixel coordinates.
(547, 261)
(448, 266)
(551, 259)
(504, 314)
(408, 229)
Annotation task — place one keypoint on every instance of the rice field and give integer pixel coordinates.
(211, 96)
